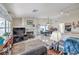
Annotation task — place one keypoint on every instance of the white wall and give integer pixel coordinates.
(17, 22)
(22, 22)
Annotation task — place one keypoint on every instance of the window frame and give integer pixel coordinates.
(6, 26)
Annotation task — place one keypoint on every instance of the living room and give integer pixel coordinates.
(39, 28)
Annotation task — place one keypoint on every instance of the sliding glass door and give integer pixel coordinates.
(5, 27)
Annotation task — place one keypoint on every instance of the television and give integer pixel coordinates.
(18, 31)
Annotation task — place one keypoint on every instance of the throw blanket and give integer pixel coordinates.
(71, 46)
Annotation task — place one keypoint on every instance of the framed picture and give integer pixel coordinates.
(29, 22)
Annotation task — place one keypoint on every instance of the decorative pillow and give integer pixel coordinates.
(1, 40)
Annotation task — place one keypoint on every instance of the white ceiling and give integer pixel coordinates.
(52, 10)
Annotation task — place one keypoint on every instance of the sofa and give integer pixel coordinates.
(42, 50)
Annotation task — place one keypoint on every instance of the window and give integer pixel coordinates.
(44, 28)
(9, 26)
(5, 26)
(2, 26)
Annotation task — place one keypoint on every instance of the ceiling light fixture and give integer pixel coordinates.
(35, 13)
(34, 10)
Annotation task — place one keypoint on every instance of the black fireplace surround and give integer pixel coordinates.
(20, 34)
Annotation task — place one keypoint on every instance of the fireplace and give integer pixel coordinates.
(18, 34)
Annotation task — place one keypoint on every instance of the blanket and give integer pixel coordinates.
(71, 46)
